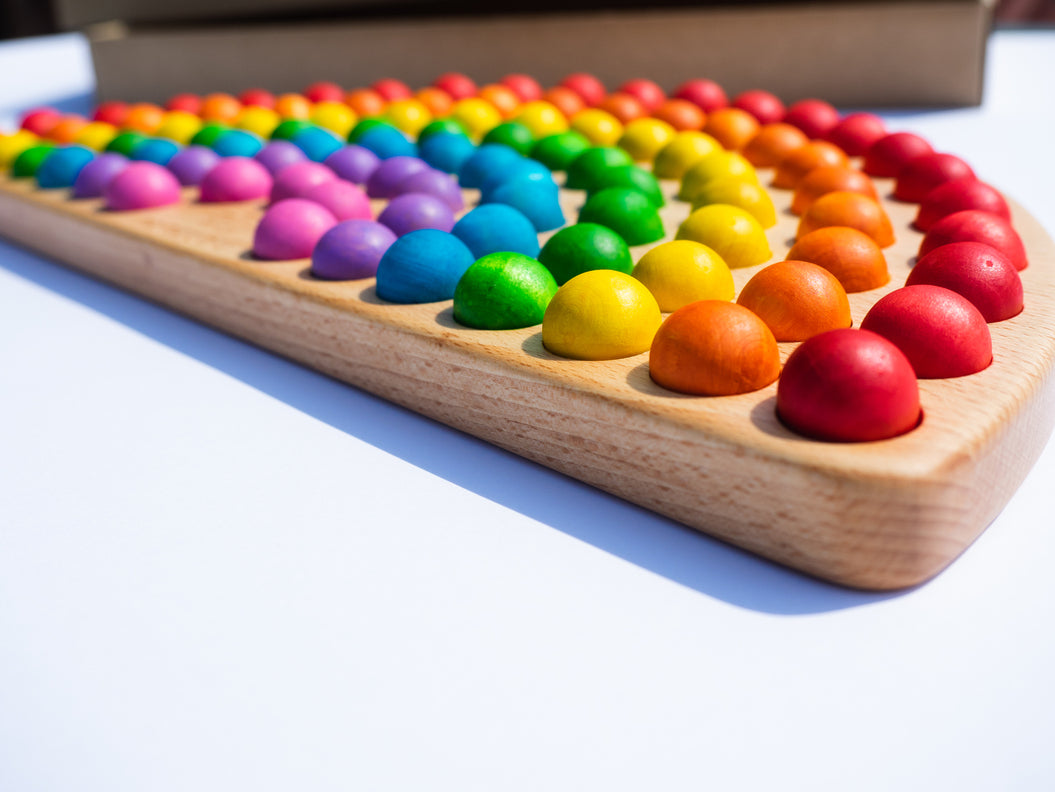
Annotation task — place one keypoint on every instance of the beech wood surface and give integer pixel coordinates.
(877, 515)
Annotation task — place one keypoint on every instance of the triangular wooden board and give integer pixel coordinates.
(873, 515)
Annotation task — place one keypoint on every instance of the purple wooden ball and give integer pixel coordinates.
(141, 185)
(343, 199)
(415, 211)
(192, 163)
(235, 179)
(94, 176)
(434, 182)
(351, 250)
(353, 163)
(384, 181)
(277, 154)
(289, 229)
(295, 180)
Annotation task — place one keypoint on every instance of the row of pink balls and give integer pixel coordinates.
(305, 199)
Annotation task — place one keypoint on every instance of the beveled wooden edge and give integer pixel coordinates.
(875, 515)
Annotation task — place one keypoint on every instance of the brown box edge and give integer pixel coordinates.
(922, 53)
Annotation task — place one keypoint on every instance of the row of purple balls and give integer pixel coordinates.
(306, 198)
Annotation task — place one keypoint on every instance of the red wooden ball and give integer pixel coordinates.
(185, 103)
(41, 120)
(589, 88)
(980, 273)
(941, 333)
(764, 106)
(848, 386)
(458, 85)
(971, 225)
(391, 89)
(706, 94)
(885, 157)
(956, 196)
(258, 97)
(112, 112)
(815, 117)
(645, 91)
(324, 91)
(922, 174)
(856, 133)
(526, 87)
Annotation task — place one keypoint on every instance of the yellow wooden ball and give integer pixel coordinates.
(716, 165)
(600, 315)
(337, 117)
(542, 118)
(682, 272)
(733, 233)
(682, 152)
(643, 138)
(601, 128)
(14, 144)
(179, 126)
(742, 192)
(97, 135)
(477, 115)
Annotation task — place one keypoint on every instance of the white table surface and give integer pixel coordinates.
(222, 571)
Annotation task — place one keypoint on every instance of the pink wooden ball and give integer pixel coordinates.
(235, 179)
(141, 185)
(290, 229)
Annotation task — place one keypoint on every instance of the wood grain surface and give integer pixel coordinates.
(878, 515)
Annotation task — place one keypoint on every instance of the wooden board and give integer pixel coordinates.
(877, 515)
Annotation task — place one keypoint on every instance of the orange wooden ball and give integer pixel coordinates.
(732, 127)
(772, 143)
(502, 97)
(144, 117)
(368, 103)
(797, 300)
(564, 99)
(681, 114)
(852, 210)
(827, 179)
(714, 348)
(623, 106)
(850, 255)
(436, 101)
(220, 107)
(293, 105)
(794, 167)
(68, 129)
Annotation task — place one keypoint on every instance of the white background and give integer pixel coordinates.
(221, 571)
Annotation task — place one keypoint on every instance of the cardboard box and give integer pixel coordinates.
(875, 54)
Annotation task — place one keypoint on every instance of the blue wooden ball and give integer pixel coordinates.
(422, 266)
(62, 166)
(237, 143)
(486, 161)
(317, 143)
(492, 228)
(156, 150)
(538, 200)
(446, 151)
(387, 141)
